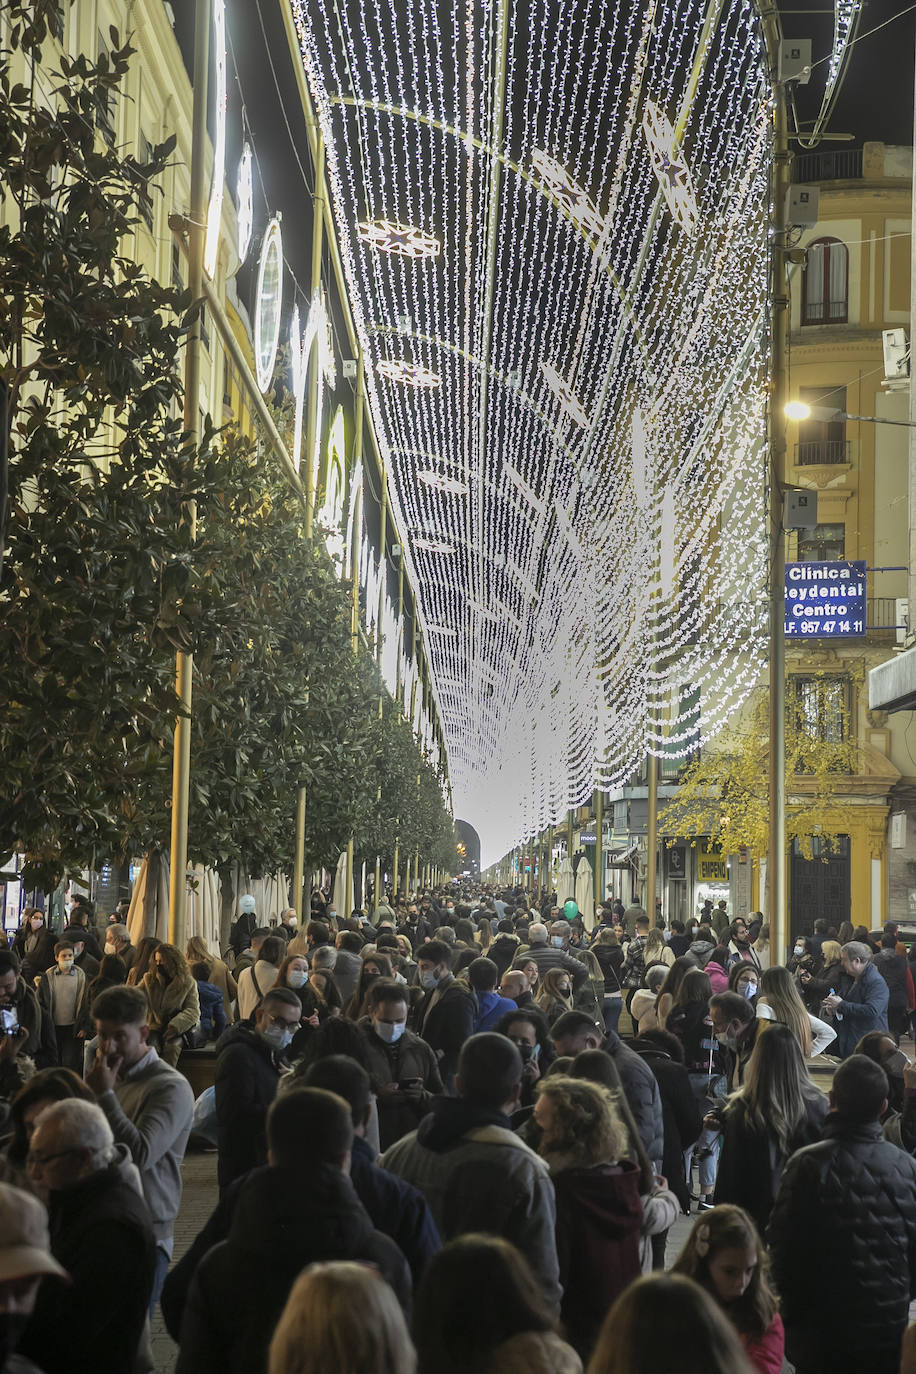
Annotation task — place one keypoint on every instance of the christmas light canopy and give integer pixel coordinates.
(569, 388)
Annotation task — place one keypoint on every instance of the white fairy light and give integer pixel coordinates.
(215, 208)
(595, 541)
(245, 195)
(401, 239)
(268, 304)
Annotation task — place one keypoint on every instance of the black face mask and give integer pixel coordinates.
(12, 1325)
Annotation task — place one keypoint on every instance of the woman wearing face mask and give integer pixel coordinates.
(174, 1006)
(776, 1111)
(554, 997)
(815, 987)
(34, 944)
(294, 974)
(744, 978)
(375, 965)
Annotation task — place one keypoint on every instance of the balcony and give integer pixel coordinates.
(823, 451)
(884, 615)
(843, 164)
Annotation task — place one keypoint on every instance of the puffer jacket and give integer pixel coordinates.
(477, 1175)
(641, 1091)
(842, 1239)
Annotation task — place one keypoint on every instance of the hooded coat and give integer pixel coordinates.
(247, 1076)
(279, 1228)
(599, 1219)
(477, 1175)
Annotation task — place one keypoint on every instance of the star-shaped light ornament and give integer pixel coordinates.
(670, 166)
(571, 196)
(411, 374)
(401, 239)
(438, 481)
(569, 403)
(433, 545)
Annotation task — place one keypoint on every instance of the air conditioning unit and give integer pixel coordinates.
(902, 618)
(896, 354)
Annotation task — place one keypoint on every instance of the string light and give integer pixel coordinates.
(268, 304)
(589, 555)
(245, 194)
(215, 208)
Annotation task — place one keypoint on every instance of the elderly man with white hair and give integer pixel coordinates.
(101, 1230)
(864, 1008)
(552, 954)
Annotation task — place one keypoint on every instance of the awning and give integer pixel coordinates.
(892, 685)
(620, 858)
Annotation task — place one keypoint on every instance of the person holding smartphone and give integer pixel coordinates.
(403, 1067)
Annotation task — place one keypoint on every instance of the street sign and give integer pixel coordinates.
(825, 600)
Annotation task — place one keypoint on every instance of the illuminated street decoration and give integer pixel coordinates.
(575, 406)
(670, 167)
(215, 208)
(330, 517)
(408, 373)
(317, 333)
(400, 239)
(245, 194)
(268, 303)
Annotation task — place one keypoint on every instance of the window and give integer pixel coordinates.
(105, 110)
(822, 441)
(146, 202)
(825, 284)
(822, 707)
(177, 278)
(822, 544)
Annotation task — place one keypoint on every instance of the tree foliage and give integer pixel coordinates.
(724, 794)
(102, 581)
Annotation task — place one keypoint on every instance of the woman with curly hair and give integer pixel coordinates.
(599, 1211)
(724, 1255)
(174, 1006)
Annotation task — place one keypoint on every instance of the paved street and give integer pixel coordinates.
(198, 1201)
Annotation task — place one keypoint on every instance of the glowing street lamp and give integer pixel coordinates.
(798, 410)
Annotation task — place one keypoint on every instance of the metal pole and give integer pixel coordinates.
(599, 847)
(355, 499)
(311, 435)
(181, 760)
(311, 429)
(776, 443)
(652, 838)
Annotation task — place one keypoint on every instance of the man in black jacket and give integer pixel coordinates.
(301, 1210)
(445, 1017)
(248, 1069)
(100, 1228)
(842, 1236)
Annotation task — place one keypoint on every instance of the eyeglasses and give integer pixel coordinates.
(33, 1161)
(282, 1021)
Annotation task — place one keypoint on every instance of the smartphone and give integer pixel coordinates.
(9, 1020)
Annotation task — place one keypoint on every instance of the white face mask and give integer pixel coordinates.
(65, 965)
(110, 948)
(799, 950)
(428, 979)
(295, 978)
(390, 1031)
(557, 941)
(277, 1037)
(750, 990)
(729, 1041)
(292, 922)
(36, 923)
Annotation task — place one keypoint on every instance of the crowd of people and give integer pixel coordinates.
(454, 1135)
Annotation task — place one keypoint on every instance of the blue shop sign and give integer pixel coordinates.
(825, 600)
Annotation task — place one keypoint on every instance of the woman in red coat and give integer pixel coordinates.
(599, 1211)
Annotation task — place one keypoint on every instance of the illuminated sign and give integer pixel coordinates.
(267, 304)
(712, 866)
(825, 600)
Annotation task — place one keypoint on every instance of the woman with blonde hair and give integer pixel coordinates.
(484, 936)
(599, 1210)
(668, 1322)
(656, 950)
(554, 996)
(341, 1316)
(779, 1000)
(776, 1111)
(198, 952)
(174, 1006)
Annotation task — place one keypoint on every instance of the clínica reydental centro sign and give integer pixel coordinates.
(826, 600)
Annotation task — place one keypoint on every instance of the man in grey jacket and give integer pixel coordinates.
(474, 1171)
(149, 1106)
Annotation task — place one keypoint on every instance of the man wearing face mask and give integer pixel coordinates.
(403, 1066)
(62, 995)
(24, 1029)
(552, 952)
(445, 1017)
(289, 924)
(735, 1025)
(117, 941)
(248, 1070)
